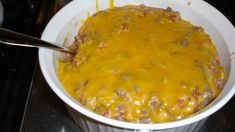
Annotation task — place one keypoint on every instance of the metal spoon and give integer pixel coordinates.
(17, 39)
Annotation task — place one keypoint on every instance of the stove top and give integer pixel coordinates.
(23, 88)
(16, 68)
(16, 64)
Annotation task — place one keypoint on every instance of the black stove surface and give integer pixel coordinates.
(16, 64)
(45, 111)
(16, 68)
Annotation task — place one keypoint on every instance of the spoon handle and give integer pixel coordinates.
(17, 39)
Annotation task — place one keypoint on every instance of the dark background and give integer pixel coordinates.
(17, 64)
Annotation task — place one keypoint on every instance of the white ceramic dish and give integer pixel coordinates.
(66, 22)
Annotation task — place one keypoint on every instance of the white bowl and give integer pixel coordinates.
(66, 22)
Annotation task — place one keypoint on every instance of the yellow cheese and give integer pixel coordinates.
(142, 64)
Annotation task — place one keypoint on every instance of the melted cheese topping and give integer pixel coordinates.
(142, 64)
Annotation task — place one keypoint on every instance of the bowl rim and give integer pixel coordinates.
(50, 29)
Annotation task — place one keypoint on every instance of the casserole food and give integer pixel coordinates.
(66, 23)
(134, 66)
